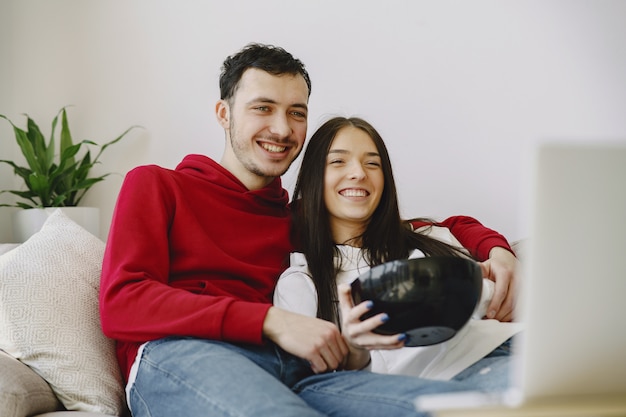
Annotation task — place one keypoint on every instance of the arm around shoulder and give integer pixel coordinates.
(472, 234)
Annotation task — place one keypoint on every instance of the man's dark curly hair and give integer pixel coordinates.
(272, 59)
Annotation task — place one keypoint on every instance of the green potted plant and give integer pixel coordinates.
(54, 176)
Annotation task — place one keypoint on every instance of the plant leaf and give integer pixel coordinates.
(51, 144)
(18, 170)
(39, 185)
(38, 142)
(67, 154)
(66, 137)
(117, 139)
(27, 148)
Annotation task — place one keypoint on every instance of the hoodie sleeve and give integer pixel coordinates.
(137, 301)
(475, 237)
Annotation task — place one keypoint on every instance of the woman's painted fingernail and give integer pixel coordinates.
(369, 304)
(384, 318)
(403, 337)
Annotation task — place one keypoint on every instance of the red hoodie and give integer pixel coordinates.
(193, 252)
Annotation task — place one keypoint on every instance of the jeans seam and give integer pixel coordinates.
(135, 394)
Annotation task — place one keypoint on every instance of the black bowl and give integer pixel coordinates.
(429, 299)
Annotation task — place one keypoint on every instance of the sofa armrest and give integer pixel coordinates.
(23, 392)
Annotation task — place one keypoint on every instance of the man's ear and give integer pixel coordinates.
(222, 112)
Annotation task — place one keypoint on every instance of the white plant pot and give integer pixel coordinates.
(27, 222)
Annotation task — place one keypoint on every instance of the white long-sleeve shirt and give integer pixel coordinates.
(295, 291)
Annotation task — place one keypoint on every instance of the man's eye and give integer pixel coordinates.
(262, 108)
(299, 114)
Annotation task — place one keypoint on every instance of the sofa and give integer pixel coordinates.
(54, 359)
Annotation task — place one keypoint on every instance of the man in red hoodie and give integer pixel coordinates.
(192, 258)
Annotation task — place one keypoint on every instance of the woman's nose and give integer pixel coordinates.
(356, 171)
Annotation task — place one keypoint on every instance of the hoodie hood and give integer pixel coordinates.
(205, 168)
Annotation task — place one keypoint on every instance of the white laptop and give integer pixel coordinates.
(572, 352)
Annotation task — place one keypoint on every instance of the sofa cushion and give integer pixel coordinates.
(49, 316)
(23, 392)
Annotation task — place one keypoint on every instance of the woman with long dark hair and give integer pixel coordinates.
(346, 220)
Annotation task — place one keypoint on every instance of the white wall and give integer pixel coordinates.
(461, 90)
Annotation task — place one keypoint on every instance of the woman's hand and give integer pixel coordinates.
(359, 333)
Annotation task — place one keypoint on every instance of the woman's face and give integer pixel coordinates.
(353, 182)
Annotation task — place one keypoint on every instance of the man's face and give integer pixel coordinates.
(265, 124)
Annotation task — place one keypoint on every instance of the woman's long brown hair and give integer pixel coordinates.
(387, 237)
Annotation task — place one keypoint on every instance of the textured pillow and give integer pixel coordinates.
(49, 316)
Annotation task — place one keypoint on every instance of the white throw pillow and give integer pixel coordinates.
(49, 316)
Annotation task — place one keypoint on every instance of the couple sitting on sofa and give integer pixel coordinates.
(199, 288)
(162, 240)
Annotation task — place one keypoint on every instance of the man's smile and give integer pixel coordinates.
(273, 148)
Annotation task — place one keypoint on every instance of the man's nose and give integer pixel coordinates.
(280, 126)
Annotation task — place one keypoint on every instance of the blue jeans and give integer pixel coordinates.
(195, 377)
(492, 373)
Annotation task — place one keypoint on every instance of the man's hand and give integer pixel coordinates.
(315, 340)
(502, 268)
